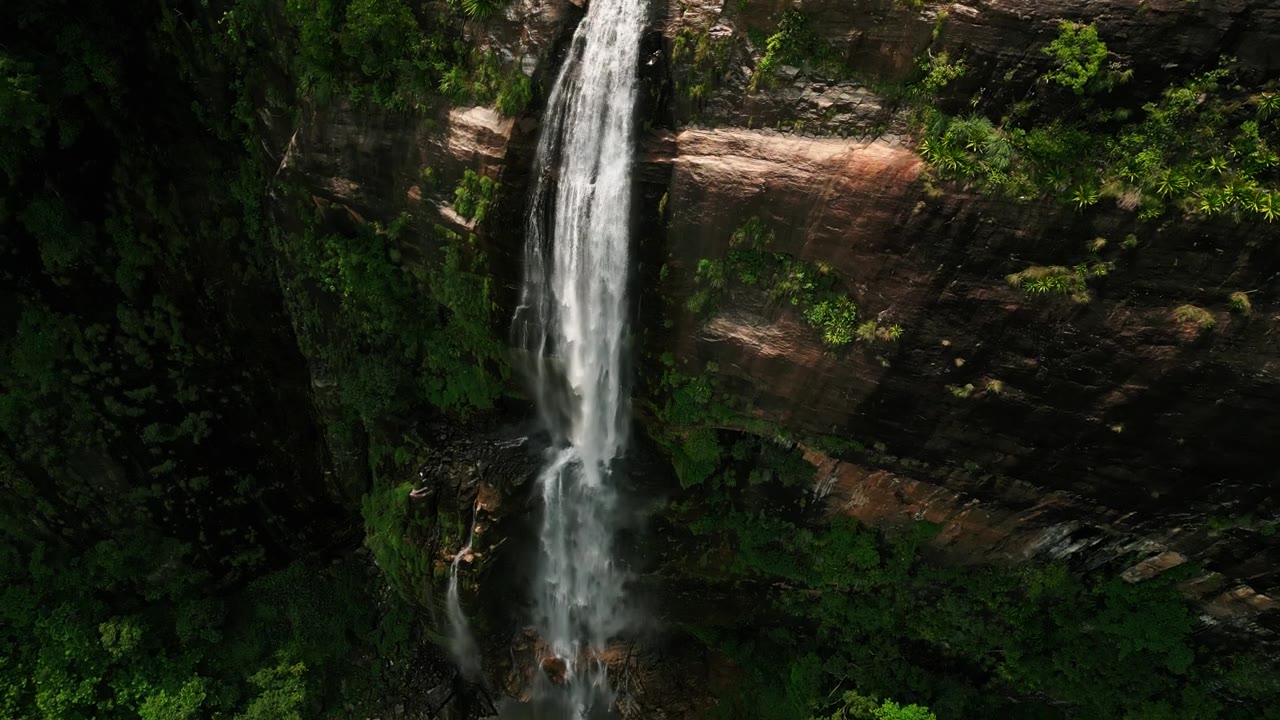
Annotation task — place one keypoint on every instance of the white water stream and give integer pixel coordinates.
(572, 320)
(462, 643)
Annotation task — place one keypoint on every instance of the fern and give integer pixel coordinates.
(481, 9)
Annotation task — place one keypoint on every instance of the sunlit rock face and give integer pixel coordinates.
(1043, 423)
(1031, 430)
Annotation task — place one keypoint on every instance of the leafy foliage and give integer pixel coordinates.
(859, 707)
(1057, 280)
(811, 287)
(174, 393)
(395, 536)
(791, 44)
(481, 9)
(835, 318)
(1194, 315)
(378, 51)
(1197, 150)
(1240, 303)
(847, 606)
(1078, 54)
(699, 62)
(125, 630)
(939, 72)
(474, 196)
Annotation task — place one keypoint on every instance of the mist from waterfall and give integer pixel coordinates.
(572, 322)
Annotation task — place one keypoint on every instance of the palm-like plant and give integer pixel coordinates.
(1170, 182)
(1212, 202)
(1130, 173)
(454, 83)
(951, 161)
(929, 149)
(1268, 104)
(1251, 200)
(1085, 195)
(1268, 205)
(1181, 181)
(481, 9)
(1234, 192)
(1056, 176)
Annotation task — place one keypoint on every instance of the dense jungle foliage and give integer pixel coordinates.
(822, 607)
(819, 610)
(173, 546)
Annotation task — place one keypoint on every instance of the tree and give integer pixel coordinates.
(860, 707)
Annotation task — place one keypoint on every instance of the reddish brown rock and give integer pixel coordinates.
(556, 670)
(1032, 426)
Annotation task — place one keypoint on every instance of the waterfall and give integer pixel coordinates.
(572, 320)
(461, 642)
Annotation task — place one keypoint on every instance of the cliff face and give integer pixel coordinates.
(1120, 434)
(1115, 402)
(1028, 426)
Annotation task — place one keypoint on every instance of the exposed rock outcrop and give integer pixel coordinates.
(1030, 429)
(1026, 524)
(1096, 412)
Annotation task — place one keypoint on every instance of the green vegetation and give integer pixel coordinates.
(1268, 104)
(860, 707)
(1206, 147)
(1194, 315)
(834, 317)
(474, 196)
(871, 331)
(367, 316)
(939, 72)
(1199, 149)
(793, 43)
(699, 63)
(126, 630)
(1240, 303)
(398, 539)
(1055, 280)
(1078, 54)
(377, 51)
(481, 9)
(1217, 525)
(838, 607)
(203, 367)
(690, 415)
(482, 79)
(811, 287)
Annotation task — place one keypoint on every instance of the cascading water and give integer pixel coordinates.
(572, 320)
(461, 642)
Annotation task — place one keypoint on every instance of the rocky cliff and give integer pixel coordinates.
(1029, 426)
(1121, 427)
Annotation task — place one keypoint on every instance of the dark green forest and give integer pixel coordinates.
(208, 406)
(173, 547)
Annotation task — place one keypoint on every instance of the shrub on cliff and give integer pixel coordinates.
(836, 318)
(1078, 53)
